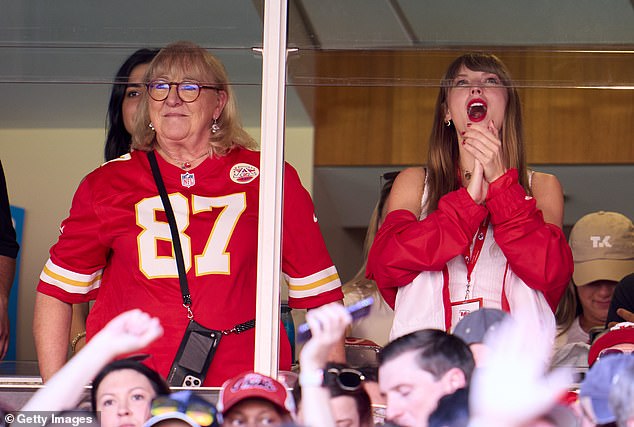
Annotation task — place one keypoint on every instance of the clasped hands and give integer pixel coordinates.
(482, 141)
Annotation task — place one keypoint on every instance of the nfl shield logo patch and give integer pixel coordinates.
(188, 179)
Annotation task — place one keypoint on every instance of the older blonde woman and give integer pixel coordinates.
(116, 245)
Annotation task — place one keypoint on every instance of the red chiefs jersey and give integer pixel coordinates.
(115, 248)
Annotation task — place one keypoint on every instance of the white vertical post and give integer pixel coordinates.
(267, 315)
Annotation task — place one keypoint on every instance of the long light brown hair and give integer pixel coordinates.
(442, 163)
(191, 59)
(568, 309)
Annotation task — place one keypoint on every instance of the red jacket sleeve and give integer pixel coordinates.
(536, 251)
(404, 246)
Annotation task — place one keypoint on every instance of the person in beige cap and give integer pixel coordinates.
(602, 246)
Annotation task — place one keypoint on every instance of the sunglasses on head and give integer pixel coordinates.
(608, 351)
(197, 411)
(348, 379)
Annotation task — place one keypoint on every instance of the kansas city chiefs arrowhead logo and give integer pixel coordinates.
(243, 173)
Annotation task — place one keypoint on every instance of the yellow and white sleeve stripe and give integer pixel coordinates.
(69, 281)
(315, 284)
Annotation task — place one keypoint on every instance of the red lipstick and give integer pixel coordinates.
(477, 110)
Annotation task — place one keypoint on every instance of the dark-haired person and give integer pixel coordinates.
(349, 402)
(417, 369)
(327, 324)
(122, 393)
(351, 408)
(452, 410)
(124, 99)
(474, 228)
(622, 304)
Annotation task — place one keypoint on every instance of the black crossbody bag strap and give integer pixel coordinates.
(176, 242)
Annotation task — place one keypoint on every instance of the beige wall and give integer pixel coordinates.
(43, 168)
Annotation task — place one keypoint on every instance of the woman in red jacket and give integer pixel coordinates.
(474, 228)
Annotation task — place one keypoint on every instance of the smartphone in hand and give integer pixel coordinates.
(357, 311)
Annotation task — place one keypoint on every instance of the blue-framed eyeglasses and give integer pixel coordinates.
(159, 90)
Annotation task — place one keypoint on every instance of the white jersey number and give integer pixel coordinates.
(213, 260)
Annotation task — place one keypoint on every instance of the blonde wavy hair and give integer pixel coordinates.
(187, 57)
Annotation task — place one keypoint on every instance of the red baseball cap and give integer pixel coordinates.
(251, 385)
(622, 333)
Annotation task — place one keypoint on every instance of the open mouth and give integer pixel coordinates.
(477, 110)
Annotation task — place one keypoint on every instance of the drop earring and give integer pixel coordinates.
(151, 126)
(215, 127)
